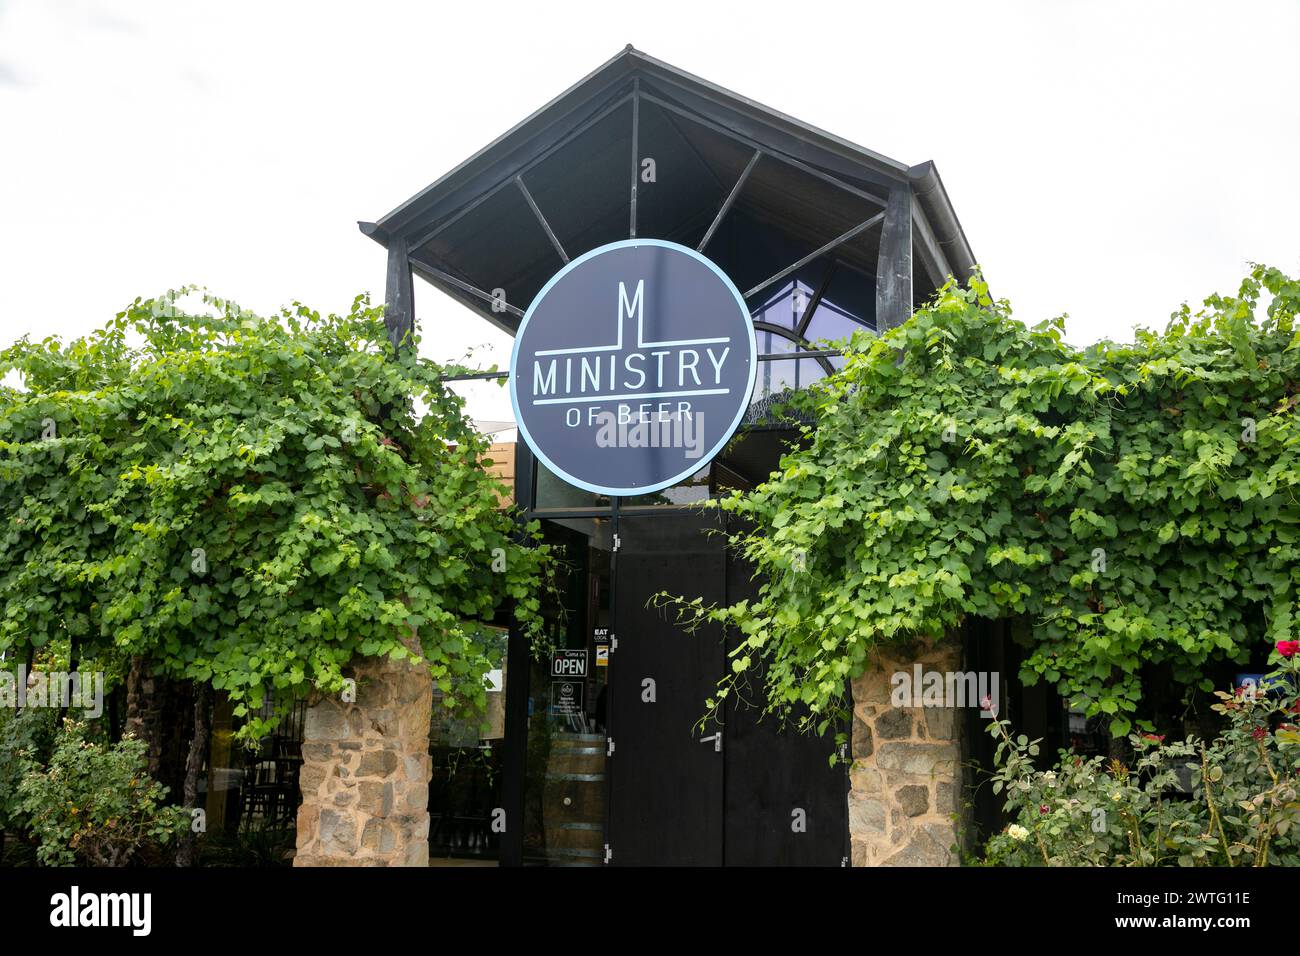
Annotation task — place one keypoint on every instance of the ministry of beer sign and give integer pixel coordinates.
(632, 367)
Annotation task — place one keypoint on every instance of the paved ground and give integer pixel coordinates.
(455, 861)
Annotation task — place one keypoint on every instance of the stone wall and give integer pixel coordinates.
(366, 770)
(906, 779)
(160, 711)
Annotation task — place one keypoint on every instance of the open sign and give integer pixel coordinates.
(568, 663)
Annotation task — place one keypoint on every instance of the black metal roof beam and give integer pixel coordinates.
(754, 144)
(475, 376)
(636, 163)
(459, 214)
(816, 299)
(504, 321)
(686, 141)
(833, 244)
(818, 354)
(449, 279)
(731, 198)
(546, 226)
(524, 168)
(806, 353)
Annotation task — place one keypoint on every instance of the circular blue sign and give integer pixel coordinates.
(633, 367)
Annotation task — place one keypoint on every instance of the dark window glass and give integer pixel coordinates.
(554, 492)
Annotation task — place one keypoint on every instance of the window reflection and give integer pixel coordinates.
(842, 310)
(554, 492)
(787, 306)
(693, 489)
(780, 375)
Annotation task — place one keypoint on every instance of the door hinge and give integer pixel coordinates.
(613, 643)
(609, 854)
(844, 861)
(618, 542)
(844, 751)
(610, 751)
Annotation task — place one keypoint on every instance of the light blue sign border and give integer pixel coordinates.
(704, 459)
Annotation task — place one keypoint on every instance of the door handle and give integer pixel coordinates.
(717, 741)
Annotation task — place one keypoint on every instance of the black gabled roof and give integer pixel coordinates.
(474, 229)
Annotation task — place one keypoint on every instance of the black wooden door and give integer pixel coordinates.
(761, 796)
(666, 792)
(785, 805)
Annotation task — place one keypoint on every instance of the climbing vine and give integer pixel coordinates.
(1133, 503)
(251, 503)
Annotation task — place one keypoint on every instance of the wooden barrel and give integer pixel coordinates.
(573, 800)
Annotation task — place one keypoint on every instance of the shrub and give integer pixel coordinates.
(94, 804)
(26, 737)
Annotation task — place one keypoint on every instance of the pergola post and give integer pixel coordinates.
(399, 294)
(894, 264)
(366, 767)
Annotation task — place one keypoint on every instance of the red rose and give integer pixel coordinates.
(1043, 808)
(1259, 733)
(1288, 649)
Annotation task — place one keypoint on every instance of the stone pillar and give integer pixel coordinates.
(905, 783)
(366, 770)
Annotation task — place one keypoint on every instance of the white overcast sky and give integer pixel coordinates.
(1109, 160)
